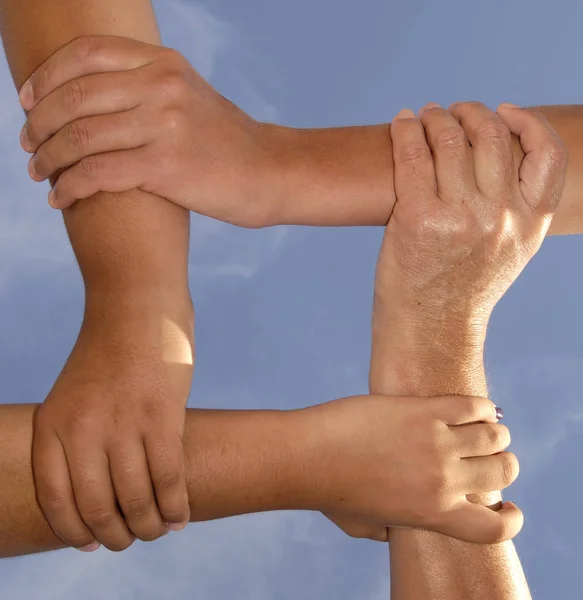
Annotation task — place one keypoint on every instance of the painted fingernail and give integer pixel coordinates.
(91, 547)
(499, 413)
(406, 113)
(176, 526)
(26, 96)
(508, 105)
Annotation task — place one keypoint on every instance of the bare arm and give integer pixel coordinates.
(113, 244)
(236, 462)
(344, 176)
(425, 565)
(450, 251)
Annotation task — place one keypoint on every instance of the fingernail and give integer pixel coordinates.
(508, 105)
(52, 198)
(499, 413)
(91, 548)
(406, 113)
(176, 526)
(32, 167)
(24, 138)
(430, 105)
(26, 98)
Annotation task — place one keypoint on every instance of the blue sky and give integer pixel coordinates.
(283, 314)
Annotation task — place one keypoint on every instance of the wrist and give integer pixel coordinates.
(439, 358)
(303, 478)
(338, 176)
(153, 318)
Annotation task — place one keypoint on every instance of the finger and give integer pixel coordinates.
(166, 462)
(460, 410)
(482, 525)
(84, 97)
(134, 492)
(480, 439)
(452, 155)
(414, 171)
(118, 171)
(482, 474)
(95, 498)
(86, 137)
(543, 169)
(55, 492)
(83, 56)
(493, 156)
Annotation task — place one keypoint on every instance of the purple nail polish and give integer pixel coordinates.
(499, 413)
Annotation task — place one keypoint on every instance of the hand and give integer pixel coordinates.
(107, 444)
(410, 462)
(468, 216)
(113, 114)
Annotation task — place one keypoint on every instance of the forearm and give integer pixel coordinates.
(127, 245)
(344, 176)
(237, 462)
(428, 565)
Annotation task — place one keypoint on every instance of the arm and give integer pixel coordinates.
(218, 161)
(426, 565)
(344, 175)
(240, 462)
(132, 250)
(236, 462)
(461, 232)
(113, 244)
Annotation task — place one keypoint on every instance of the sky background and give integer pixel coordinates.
(283, 314)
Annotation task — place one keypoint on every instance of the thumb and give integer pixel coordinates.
(482, 525)
(543, 170)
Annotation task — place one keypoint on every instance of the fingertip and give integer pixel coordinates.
(406, 113)
(512, 521)
(507, 106)
(53, 198)
(177, 526)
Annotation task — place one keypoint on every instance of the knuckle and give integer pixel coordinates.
(414, 151)
(167, 480)
(78, 423)
(87, 46)
(451, 138)
(558, 154)
(500, 531)
(71, 96)
(136, 507)
(99, 518)
(172, 120)
(173, 57)
(89, 165)
(494, 130)
(171, 84)
(510, 468)
(472, 405)
(52, 499)
(504, 438)
(77, 135)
